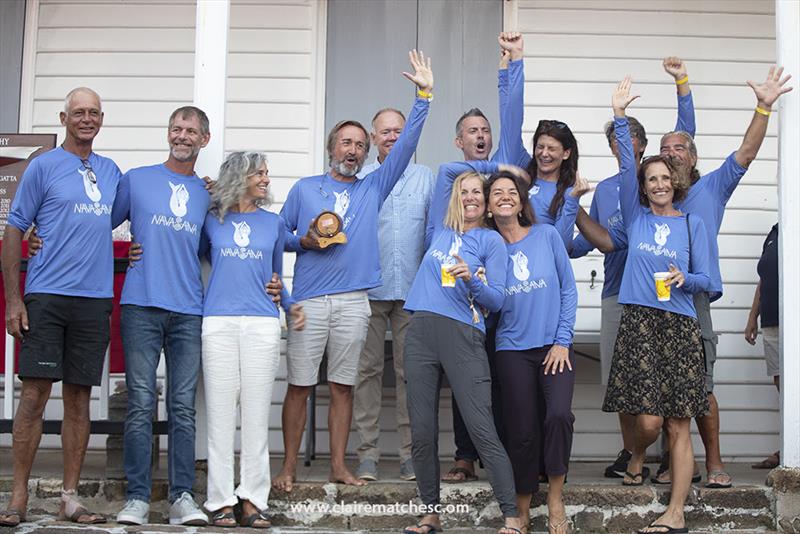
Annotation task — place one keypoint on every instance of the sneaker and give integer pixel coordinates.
(367, 470)
(407, 470)
(135, 512)
(184, 511)
(620, 465)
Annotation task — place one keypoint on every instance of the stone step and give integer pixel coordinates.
(595, 507)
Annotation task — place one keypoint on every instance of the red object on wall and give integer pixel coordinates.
(117, 364)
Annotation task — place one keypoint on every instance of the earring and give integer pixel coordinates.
(489, 214)
(519, 214)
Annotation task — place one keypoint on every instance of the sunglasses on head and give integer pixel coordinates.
(548, 124)
(89, 171)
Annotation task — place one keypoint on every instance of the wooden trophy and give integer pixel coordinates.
(329, 227)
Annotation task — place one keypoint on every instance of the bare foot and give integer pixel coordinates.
(342, 475)
(429, 523)
(514, 525)
(557, 517)
(285, 479)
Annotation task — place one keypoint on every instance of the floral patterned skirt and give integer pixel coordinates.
(658, 366)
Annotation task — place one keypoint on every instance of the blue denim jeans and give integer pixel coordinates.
(145, 331)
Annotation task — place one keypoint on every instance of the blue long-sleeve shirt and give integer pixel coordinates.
(401, 229)
(605, 209)
(512, 150)
(354, 265)
(655, 241)
(540, 295)
(479, 247)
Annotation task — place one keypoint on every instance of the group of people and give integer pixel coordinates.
(471, 273)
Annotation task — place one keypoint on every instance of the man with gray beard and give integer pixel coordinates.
(331, 283)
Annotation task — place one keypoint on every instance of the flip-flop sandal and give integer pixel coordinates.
(664, 467)
(634, 478)
(771, 462)
(72, 510)
(515, 529)
(558, 525)
(224, 520)
(469, 476)
(718, 485)
(11, 512)
(670, 530)
(250, 520)
(431, 528)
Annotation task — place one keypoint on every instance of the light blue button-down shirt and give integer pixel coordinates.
(401, 230)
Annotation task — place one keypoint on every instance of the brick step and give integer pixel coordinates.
(595, 507)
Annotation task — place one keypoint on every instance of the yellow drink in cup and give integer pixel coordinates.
(448, 280)
(662, 289)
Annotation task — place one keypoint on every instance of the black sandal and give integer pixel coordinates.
(638, 479)
(223, 519)
(249, 521)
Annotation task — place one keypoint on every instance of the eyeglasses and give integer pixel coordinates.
(546, 123)
(89, 171)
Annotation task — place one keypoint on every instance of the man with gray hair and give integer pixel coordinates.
(162, 307)
(401, 232)
(605, 210)
(63, 321)
(331, 282)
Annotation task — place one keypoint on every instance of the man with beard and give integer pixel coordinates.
(401, 232)
(162, 307)
(707, 199)
(63, 321)
(331, 283)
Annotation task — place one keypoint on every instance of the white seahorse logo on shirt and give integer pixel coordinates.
(454, 248)
(534, 190)
(241, 235)
(662, 231)
(520, 261)
(342, 203)
(178, 199)
(92, 191)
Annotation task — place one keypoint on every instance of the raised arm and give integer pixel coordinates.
(511, 148)
(581, 246)
(448, 172)
(629, 185)
(767, 93)
(594, 233)
(675, 67)
(565, 222)
(392, 168)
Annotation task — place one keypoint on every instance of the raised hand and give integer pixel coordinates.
(423, 75)
(505, 57)
(772, 88)
(581, 186)
(675, 67)
(512, 42)
(621, 97)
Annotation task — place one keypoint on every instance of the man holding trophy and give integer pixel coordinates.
(337, 262)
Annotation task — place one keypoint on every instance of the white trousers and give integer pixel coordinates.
(240, 360)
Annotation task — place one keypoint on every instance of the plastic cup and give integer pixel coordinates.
(448, 280)
(662, 289)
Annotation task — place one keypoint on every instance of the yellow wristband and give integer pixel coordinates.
(683, 80)
(763, 111)
(423, 94)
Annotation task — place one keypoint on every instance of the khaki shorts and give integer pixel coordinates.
(336, 325)
(772, 349)
(703, 307)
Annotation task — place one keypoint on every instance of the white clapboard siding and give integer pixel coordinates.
(575, 54)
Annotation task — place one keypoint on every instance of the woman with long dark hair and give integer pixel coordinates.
(534, 358)
(553, 167)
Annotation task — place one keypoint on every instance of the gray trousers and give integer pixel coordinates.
(703, 307)
(435, 345)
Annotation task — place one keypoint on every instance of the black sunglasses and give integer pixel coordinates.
(547, 124)
(89, 171)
